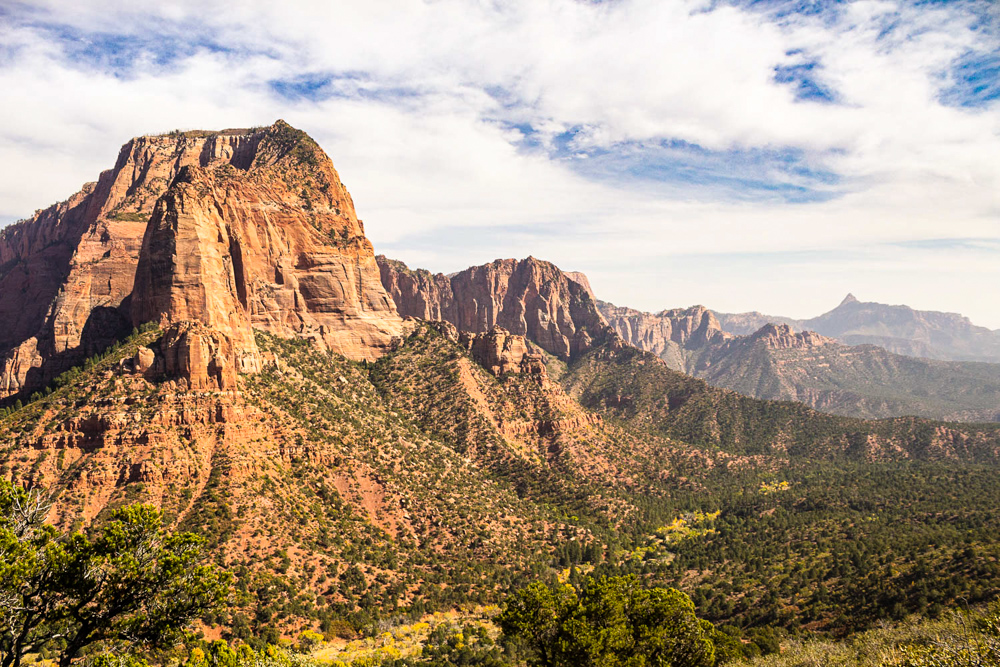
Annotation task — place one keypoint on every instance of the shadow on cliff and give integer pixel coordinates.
(104, 327)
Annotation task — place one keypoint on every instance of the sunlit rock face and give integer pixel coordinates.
(232, 229)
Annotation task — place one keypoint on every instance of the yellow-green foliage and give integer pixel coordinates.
(411, 640)
(773, 487)
(687, 526)
(308, 641)
(957, 640)
(220, 654)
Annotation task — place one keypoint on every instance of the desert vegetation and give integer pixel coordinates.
(397, 512)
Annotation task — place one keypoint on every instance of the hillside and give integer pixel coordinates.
(344, 491)
(776, 363)
(640, 389)
(306, 478)
(558, 312)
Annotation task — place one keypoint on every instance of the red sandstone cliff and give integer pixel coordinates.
(236, 228)
(669, 334)
(526, 297)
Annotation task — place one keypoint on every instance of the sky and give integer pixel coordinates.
(764, 155)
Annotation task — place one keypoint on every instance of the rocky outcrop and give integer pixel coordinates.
(782, 337)
(233, 230)
(526, 297)
(669, 334)
(277, 246)
(581, 279)
(66, 271)
(497, 350)
(18, 366)
(204, 358)
(189, 282)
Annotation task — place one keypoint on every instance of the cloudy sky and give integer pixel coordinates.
(747, 155)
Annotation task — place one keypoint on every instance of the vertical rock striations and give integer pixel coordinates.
(673, 335)
(66, 271)
(525, 297)
(231, 230)
(275, 246)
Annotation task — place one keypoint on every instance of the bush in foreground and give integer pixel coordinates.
(131, 585)
(611, 622)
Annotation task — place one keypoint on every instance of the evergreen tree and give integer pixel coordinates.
(131, 582)
(610, 622)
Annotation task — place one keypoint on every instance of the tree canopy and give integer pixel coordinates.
(130, 582)
(611, 622)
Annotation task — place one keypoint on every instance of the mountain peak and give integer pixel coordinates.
(580, 279)
(210, 256)
(528, 297)
(850, 298)
(230, 229)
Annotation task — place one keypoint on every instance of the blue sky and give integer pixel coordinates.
(764, 155)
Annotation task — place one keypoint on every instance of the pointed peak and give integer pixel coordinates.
(850, 298)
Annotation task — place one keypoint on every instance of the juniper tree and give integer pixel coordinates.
(608, 622)
(130, 582)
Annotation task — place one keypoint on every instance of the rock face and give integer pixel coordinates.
(65, 272)
(233, 230)
(189, 272)
(776, 362)
(205, 358)
(497, 350)
(276, 246)
(581, 279)
(669, 334)
(526, 297)
(782, 337)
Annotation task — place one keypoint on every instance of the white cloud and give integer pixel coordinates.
(443, 157)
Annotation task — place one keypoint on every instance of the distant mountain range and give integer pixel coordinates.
(760, 356)
(900, 329)
(775, 362)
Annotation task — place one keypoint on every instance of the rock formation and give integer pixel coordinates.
(903, 330)
(496, 350)
(526, 297)
(668, 334)
(581, 279)
(782, 337)
(232, 230)
(65, 271)
(776, 362)
(899, 329)
(744, 324)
